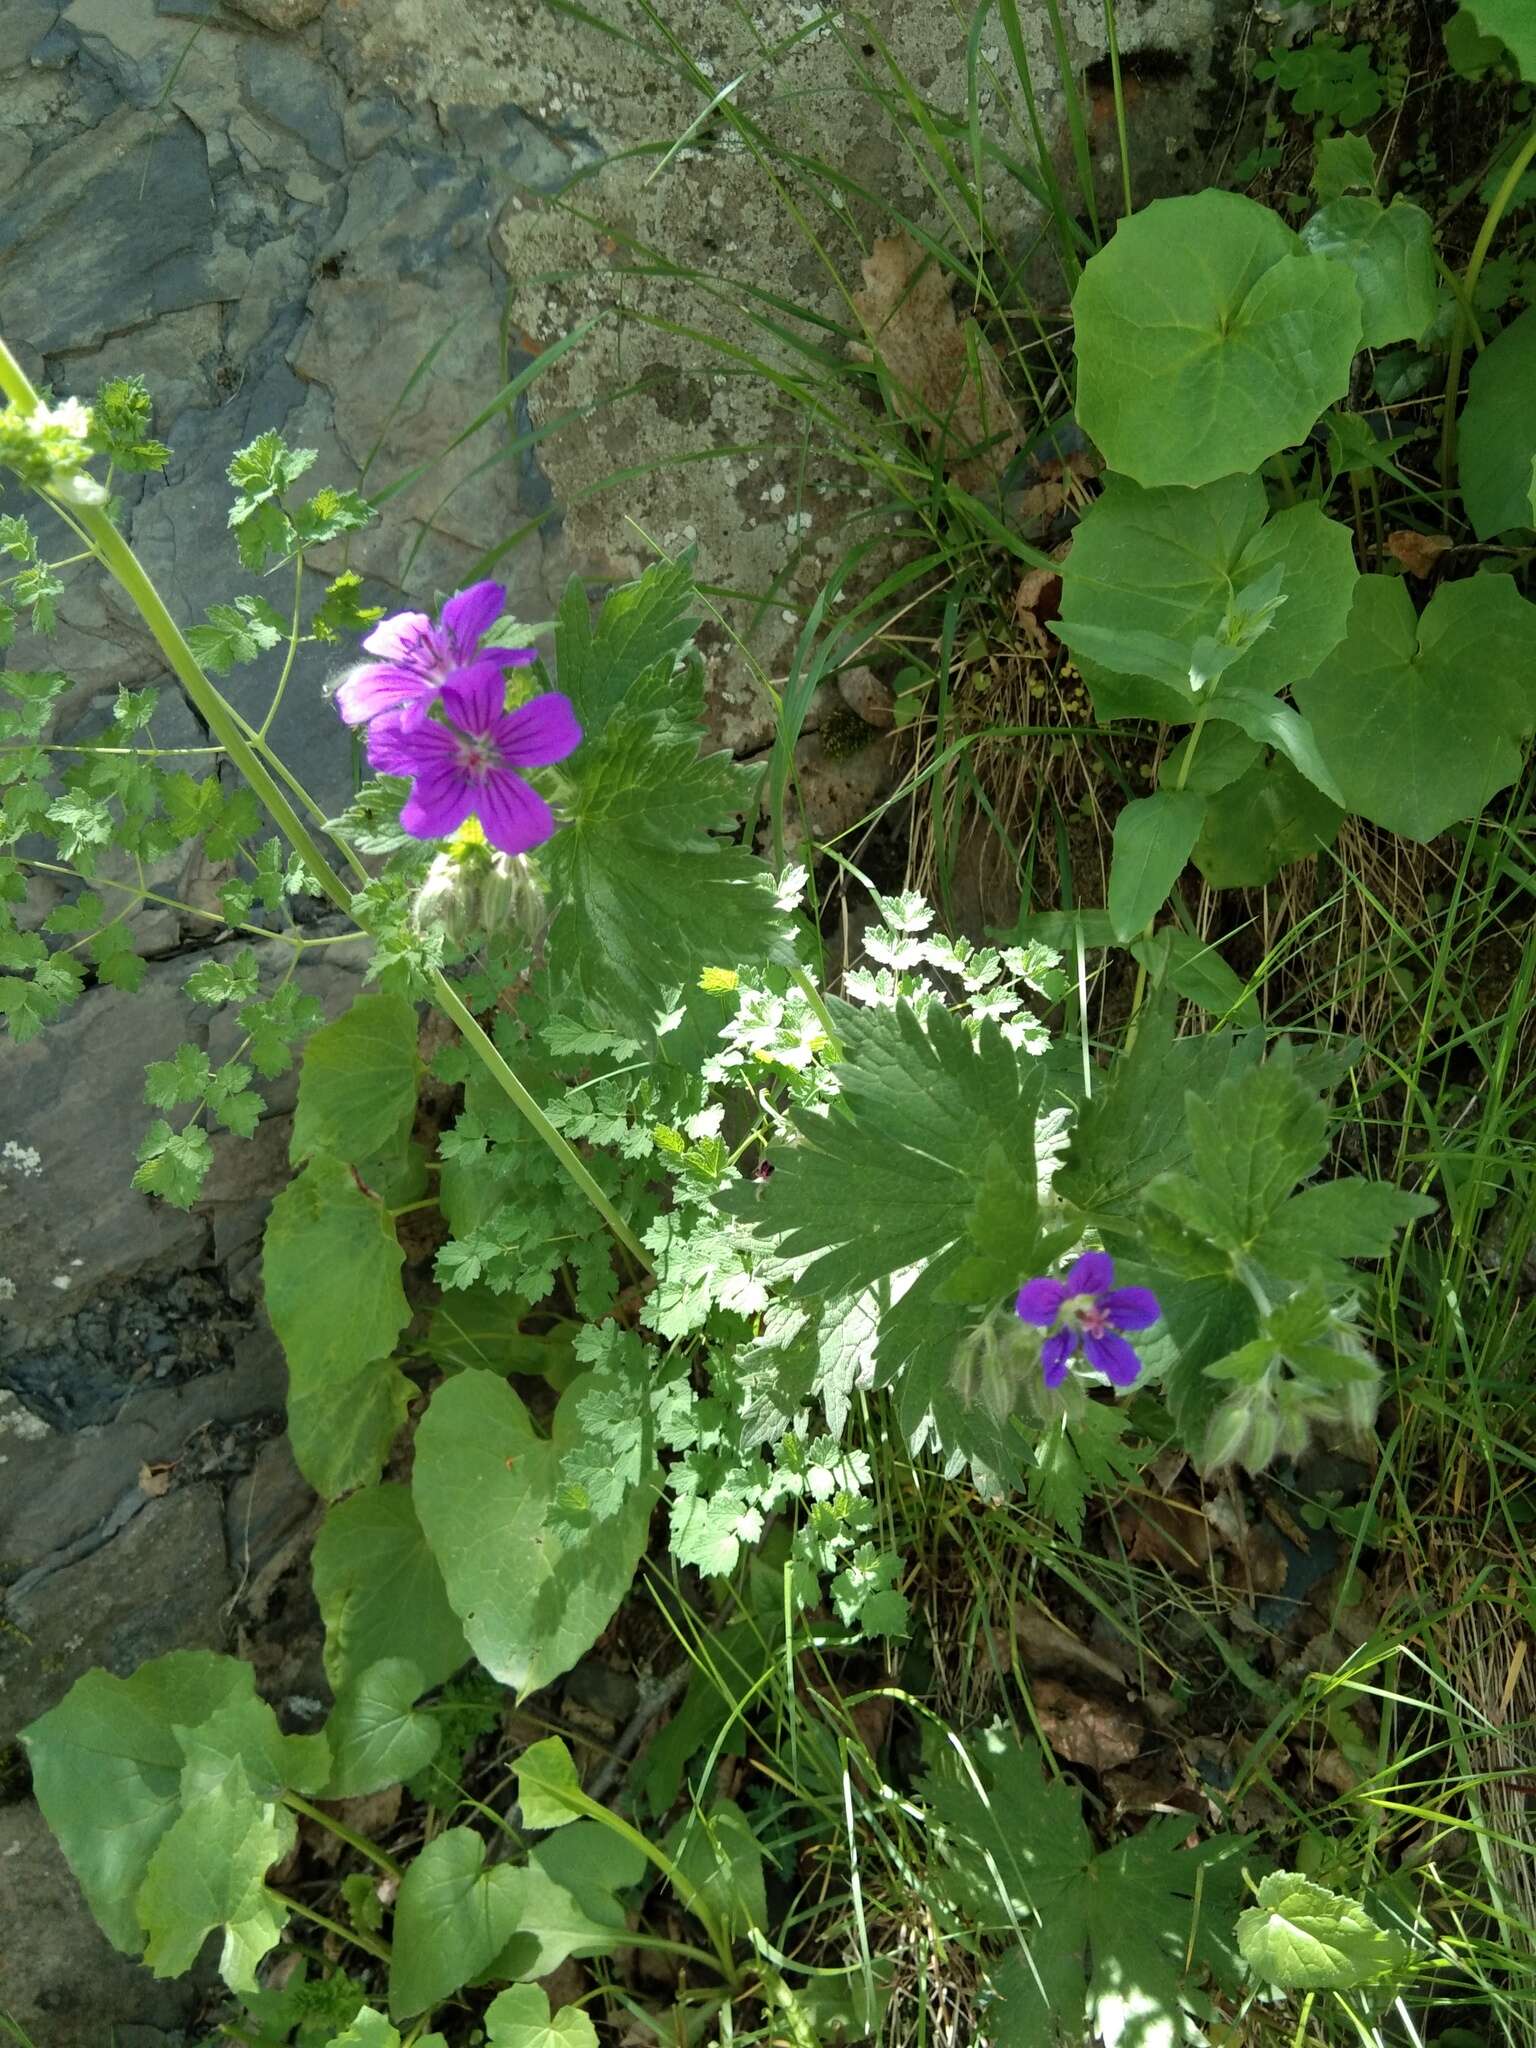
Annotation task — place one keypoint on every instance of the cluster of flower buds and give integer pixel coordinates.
(49, 447)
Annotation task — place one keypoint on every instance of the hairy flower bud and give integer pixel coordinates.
(470, 889)
(49, 448)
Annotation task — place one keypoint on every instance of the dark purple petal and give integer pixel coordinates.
(1130, 1308)
(542, 730)
(468, 617)
(409, 638)
(1039, 1301)
(474, 698)
(439, 802)
(1054, 1353)
(376, 688)
(515, 817)
(1092, 1273)
(509, 657)
(1113, 1357)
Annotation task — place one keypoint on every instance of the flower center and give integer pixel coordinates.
(476, 756)
(1085, 1311)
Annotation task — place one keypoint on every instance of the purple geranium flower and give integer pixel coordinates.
(1088, 1309)
(468, 761)
(419, 657)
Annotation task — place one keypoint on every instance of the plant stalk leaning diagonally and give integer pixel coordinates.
(246, 751)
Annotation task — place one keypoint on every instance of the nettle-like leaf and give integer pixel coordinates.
(1161, 584)
(331, 1274)
(652, 890)
(1421, 719)
(1303, 1937)
(162, 1789)
(1208, 338)
(380, 1592)
(1496, 435)
(533, 1576)
(1390, 251)
(919, 1187)
(1119, 1938)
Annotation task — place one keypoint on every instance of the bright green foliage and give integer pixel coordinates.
(568, 1899)
(380, 1591)
(1118, 1938)
(357, 1087)
(1154, 837)
(650, 894)
(1208, 339)
(1326, 78)
(1302, 1937)
(1391, 251)
(721, 1862)
(1261, 822)
(121, 415)
(173, 1164)
(546, 1776)
(1345, 163)
(1496, 436)
(331, 1266)
(376, 1736)
(533, 1580)
(478, 1328)
(236, 632)
(453, 1917)
(1514, 25)
(161, 1790)
(643, 626)
(520, 2018)
(1185, 595)
(1421, 719)
(1080, 1453)
(370, 2029)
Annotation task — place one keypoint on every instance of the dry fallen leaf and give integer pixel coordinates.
(155, 1480)
(1167, 1532)
(1086, 1731)
(946, 378)
(1045, 1648)
(1418, 552)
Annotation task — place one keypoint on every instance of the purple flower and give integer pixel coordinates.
(1087, 1309)
(467, 762)
(418, 658)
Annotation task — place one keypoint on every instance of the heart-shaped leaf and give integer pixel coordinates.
(1514, 23)
(453, 1917)
(1161, 581)
(1390, 251)
(1305, 1938)
(1154, 836)
(1420, 719)
(533, 1584)
(1208, 339)
(376, 1736)
(520, 2018)
(1269, 817)
(1496, 437)
(357, 1087)
(380, 1590)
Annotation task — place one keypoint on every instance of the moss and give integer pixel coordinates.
(843, 732)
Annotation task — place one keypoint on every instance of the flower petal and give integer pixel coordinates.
(396, 746)
(473, 697)
(468, 616)
(375, 688)
(1039, 1301)
(1054, 1353)
(1091, 1274)
(516, 818)
(438, 804)
(409, 638)
(542, 730)
(1113, 1357)
(1130, 1308)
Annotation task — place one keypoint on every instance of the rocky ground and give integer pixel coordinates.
(275, 210)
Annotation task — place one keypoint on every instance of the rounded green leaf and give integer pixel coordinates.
(1208, 339)
(1419, 719)
(520, 2018)
(453, 1917)
(1496, 438)
(1390, 251)
(533, 1582)
(380, 1591)
(331, 1274)
(357, 1088)
(1514, 23)
(1170, 584)
(1305, 1938)
(376, 1736)
(1255, 826)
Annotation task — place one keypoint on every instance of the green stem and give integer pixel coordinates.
(343, 1833)
(351, 1934)
(1141, 973)
(813, 996)
(1480, 247)
(293, 647)
(240, 743)
(486, 1050)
